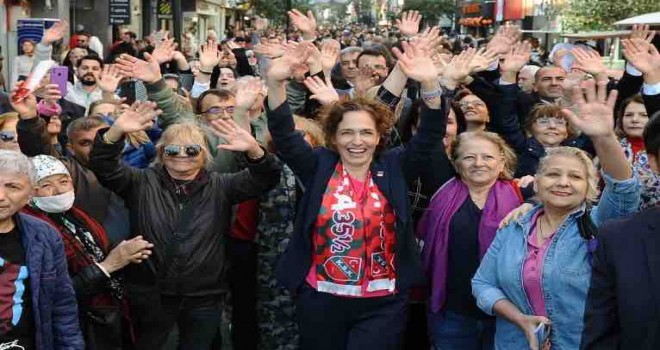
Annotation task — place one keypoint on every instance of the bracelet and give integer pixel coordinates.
(256, 160)
(105, 139)
(204, 72)
(432, 94)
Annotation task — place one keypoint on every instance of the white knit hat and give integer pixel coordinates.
(45, 166)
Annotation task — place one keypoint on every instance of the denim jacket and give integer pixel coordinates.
(566, 271)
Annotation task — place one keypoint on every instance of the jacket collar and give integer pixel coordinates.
(525, 222)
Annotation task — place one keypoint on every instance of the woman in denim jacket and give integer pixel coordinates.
(538, 268)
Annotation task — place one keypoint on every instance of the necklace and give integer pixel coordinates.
(543, 237)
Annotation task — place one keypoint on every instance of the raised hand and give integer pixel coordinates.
(109, 79)
(644, 57)
(642, 32)
(458, 68)
(55, 32)
(329, 54)
(247, 91)
(409, 23)
(271, 51)
(429, 39)
(304, 23)
(482, 60)
(296, 55)
(322, 91)
(365, 80)
(238, 139)
(517, 57)
(51, 94)
(27, 107)
(140, 116)
(164, 51)
(416, 63)
(504, 39)
(228, 59)
(209, 56)
(588, 61)
(595, 110)
(147, 71)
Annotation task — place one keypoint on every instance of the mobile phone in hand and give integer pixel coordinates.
(542, 333)
(59, 75)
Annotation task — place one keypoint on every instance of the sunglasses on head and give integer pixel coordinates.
(188, 150)
(7, 136)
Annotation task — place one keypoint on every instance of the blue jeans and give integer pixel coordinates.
(452, 331)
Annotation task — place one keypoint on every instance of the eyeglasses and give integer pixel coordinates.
(545, 121)
(219, 111)
(188, 150)
(476, 104)
(7, 136)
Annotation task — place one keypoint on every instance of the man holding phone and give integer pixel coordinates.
(86, 90)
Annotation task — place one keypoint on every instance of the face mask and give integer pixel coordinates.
(55, 204)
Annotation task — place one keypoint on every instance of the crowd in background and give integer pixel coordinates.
(329, 188)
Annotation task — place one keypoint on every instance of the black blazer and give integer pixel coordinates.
(623, 305)
(391, 171)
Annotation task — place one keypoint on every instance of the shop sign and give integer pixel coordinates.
(120, 11)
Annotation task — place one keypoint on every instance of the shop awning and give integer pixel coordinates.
(652, 18)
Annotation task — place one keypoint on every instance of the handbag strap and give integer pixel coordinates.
(181, 232)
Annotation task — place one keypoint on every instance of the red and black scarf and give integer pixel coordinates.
(354, 238)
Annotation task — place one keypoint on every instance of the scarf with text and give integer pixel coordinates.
(354, 238)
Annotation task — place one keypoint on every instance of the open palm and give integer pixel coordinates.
(517, 58)
(140, 116)
(109, 79)
(322, 91)
(247, 93)
(147, 71)
(304, 23)
(409, 23)
(238, 139)
(55, 32)
(594, 109)
(459, 67)
(209, 57)
(416, 63)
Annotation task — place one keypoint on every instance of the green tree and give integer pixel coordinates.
(275, 10)
(432, 10)
(590, 15)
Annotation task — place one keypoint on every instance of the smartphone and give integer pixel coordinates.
(542, 333)
(127, 91)
(59, 75)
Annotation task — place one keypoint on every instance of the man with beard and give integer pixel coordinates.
(86, 89)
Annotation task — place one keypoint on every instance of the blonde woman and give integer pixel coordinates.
(537, 271)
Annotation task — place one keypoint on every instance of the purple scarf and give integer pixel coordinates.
(433, 228)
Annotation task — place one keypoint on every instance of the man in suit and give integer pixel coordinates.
(623, 306)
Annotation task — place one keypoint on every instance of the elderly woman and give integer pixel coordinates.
(351, 258)
(457, 229)
(8, 135)
(538, 269)
(93, 266)
(630, 127)
(38, 303)
(185, 211)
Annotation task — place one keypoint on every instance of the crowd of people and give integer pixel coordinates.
(330, 188)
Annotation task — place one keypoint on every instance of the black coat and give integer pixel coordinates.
(391, 171)
(155, 205)
(623, 304)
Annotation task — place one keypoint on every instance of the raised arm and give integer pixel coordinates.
(173, 109)
(646, 59)
(263, 169)
(505, 114)
(417, 64)
(594, 115)
(104, 160)
(31, 129)
(291, 146)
